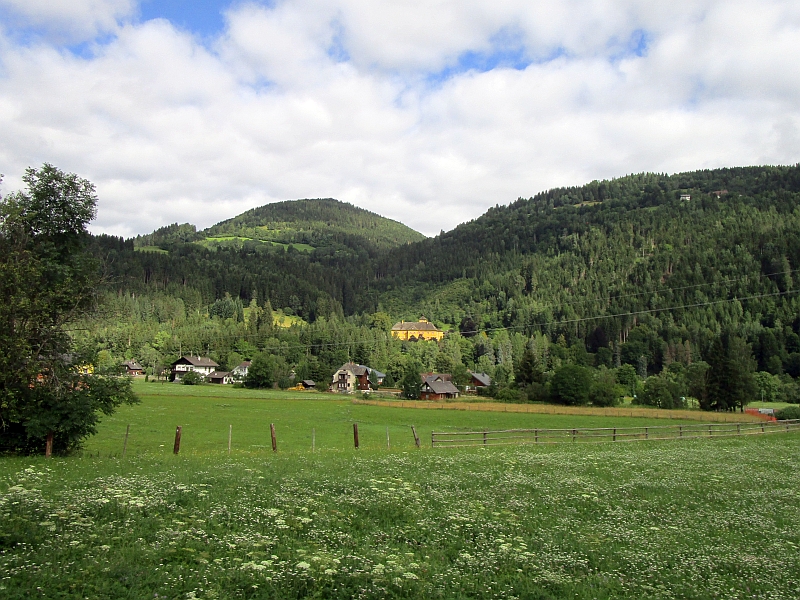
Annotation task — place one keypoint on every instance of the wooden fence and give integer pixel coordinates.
(608, 434)
(554, 409)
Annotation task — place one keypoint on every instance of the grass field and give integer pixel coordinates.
(691, 519)
(206, 412)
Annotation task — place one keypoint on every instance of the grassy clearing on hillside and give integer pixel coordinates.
(696, 519)
(205, 412)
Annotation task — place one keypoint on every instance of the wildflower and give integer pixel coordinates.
(303, 565)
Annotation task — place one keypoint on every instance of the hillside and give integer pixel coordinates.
(656, 265)
(611, 247)
(325, 226)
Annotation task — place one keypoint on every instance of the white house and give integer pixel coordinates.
(202, 365)
(239, 373)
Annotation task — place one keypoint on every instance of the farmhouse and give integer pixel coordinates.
(133, 368)
(239, 372)
(352, 378)
(421, 330)
(477, 380)
(202, 365)
(438, 386)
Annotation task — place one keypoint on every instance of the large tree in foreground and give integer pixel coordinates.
(49, 390)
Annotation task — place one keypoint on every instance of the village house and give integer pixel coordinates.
(477, 380)
(421, 330)
(353, 378)
(239, 372)
(202, 365)
(350, 378)
(438, 386)
(133, 368)
(221, 377)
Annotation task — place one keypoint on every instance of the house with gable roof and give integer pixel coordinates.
(437, 386)
(414, 331)
(202, 365)
(355, 378)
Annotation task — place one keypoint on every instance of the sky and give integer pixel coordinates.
(427, 112)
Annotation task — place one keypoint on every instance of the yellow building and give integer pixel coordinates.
(421, 330)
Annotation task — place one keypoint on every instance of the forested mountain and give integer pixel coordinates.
(649, 267)
(325, 227)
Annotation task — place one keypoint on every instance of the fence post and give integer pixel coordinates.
(355, 434)
(416, 437)
(646, 433)
(615, 434)
(738, 429)
(680, 430)
(272, 435)
(709, 431)
(484, 437)
(762, 426)
(230, 435)
(177, 447)
(125, 443)
(535, 436)
(48, 446)
(574, 434)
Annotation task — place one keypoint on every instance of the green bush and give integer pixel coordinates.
(657, 393)
(571, 385)
(790, 412)
(507, 394)
(192, 378)
(604, 390)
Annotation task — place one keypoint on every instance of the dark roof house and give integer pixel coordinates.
(133, 368)
(436, 387)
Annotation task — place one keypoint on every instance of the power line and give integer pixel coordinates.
(322, 345)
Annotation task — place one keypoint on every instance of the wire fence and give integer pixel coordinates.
(505, 437)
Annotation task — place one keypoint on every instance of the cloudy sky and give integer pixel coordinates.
(426, 111)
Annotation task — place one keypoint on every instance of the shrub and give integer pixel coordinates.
(790, 412)
(604, 390)
(507, 394)
(571, 385)
(191, 378)
(657, 393)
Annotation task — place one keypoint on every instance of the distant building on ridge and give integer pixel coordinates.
(421, 330)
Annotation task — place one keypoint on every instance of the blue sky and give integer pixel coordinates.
(424, 112)
(203, 17)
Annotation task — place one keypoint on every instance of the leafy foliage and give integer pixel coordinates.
(47, 281)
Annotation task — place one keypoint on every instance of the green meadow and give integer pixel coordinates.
(702, 518)
(205, 414)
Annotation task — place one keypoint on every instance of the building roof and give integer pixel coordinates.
(442, 376)
(481, 378)
(218, 374)
(422, 325)
(439, 386)
(133, 365)
(357, 370)
(308, 383)
(377, 373)
(197, 361)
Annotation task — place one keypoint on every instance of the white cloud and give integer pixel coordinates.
(376, 104)
(76, 19)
